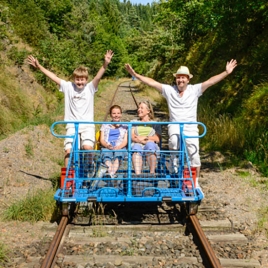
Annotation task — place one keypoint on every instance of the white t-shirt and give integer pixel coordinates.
(182, 108)
(79, 104)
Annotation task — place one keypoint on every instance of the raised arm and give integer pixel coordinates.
(35, 63)
(146, 80)
(217, 78)
(107, 59)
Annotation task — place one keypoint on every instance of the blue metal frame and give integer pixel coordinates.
(126, 193)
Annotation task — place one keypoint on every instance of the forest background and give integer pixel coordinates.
(155, 39)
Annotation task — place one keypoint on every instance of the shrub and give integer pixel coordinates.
(36, 206)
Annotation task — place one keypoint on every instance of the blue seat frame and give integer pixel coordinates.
(164, 186)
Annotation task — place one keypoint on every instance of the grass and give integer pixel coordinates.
(6, 150)
(223, 133)
(243, 173)
(29, 148)
(263, 221)
(133, 247)
(99, 231)
(11, 125)
(55, 179)
(36, 206)
(227, 134)
(262, 185)
(233, 137)
(97, 220)
(19, 108)
(57, 160)
(3, 254)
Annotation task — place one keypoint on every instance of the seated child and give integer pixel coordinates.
(113, 137)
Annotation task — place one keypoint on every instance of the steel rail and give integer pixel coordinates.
(50, 256)
(210, 254)
(111, 103)
(131, 91)
(55, 243)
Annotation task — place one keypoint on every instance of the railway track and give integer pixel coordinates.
(155, 236)
(148, 235)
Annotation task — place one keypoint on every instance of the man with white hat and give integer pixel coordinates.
(182, 102)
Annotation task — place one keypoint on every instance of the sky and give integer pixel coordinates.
(144, 2)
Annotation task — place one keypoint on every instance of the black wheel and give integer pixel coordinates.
(192, 208)
(68, 209)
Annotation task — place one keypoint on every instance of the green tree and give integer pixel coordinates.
(54, 11)
(29, 21)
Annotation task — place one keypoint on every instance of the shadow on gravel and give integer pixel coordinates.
(215, 161)
(34, 175)
(143, 213)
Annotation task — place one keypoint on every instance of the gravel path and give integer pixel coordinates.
(32, 156)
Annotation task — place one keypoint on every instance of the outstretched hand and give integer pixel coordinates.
(230, 65)
(33, 61)
(108, 56)
(129, 69)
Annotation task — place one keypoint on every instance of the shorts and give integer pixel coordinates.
(150, 146)
(87, 137)
(192, 144)
(108, 155)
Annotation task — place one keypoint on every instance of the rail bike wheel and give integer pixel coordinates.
(192, 208)
(68, 209)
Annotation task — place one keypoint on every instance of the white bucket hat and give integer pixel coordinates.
(183, 70)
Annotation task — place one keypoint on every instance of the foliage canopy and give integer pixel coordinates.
(155, 39)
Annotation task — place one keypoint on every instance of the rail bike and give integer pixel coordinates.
(172, 182)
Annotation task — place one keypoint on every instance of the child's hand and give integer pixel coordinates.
(110, 146)
(230, 65)
(33, 61)
(108, 56)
